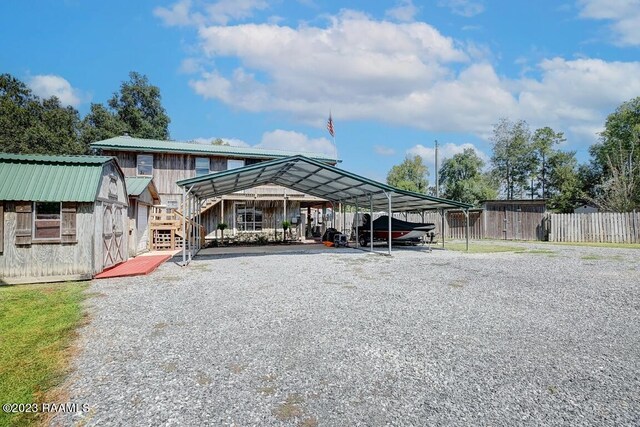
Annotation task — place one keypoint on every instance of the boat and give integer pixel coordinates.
(401, 231)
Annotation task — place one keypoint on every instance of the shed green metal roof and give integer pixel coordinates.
(136, 184)
(127, 143)
(50, 178)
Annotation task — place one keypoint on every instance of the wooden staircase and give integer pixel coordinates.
(208, 204)
(165, 229)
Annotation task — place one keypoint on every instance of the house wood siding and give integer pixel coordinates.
(218, 164)
(168, 168)
(126, 161)
(1, 227)
(272, 214)
(49, 259)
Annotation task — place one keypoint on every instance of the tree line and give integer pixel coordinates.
(30, 124)
(530, 164)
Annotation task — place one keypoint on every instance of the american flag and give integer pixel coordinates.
(330, 126)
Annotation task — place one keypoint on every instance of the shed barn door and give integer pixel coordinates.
(112, 235)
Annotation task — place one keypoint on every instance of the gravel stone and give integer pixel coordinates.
(337, 337)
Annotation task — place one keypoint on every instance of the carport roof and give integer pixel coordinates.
(317, 179)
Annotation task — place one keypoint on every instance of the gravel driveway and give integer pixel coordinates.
(341, 337)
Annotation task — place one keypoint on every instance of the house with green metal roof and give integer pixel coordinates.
(257, 210)
(61, 217)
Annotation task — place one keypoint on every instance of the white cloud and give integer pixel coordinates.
(179, 14)
(46, 86)
(384, 151)
(577, 93)
(405, 11)
(624, 16)
(220, 12)
(395, 60)
(191, 66)
(406, 74)
(295, 141)
(223, 11)
(466, 8)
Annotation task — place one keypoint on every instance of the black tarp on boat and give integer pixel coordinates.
(382, 224)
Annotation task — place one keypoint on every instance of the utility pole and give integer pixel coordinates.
(437, 189)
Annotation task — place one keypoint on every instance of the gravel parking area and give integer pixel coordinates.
(550, 336)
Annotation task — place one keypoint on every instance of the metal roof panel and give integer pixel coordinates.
(127, 143)
(50, 178)
(317, 179)
(136, 184)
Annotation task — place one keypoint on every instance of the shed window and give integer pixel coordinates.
(234, 163)
(202, 166)
(145, 164)
(46, 220)
(248, 218)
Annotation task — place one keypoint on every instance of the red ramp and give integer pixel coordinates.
(135, 267)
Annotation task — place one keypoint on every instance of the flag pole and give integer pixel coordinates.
(335, 147)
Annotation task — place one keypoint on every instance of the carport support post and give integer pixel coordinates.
(466, 230)
(196, 223)
(284, 218)
(355, 219)
(371, 223)
(196, 229)
(190, 198)
(442, 214)
(344, 217)
(390, 214)
(221, 219)
(200, 236)
(324, 217)
(184, 227)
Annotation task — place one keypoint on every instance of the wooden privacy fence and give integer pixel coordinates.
(510, 224)
(595, 227)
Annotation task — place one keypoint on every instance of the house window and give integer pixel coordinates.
(248, 218)
(46, 220)
(144, 164)
(234, 163)
(202, 166)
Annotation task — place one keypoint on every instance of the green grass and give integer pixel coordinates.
(37, 326)
(601, 257)
(538, 251)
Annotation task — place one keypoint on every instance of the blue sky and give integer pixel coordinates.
(396, 75)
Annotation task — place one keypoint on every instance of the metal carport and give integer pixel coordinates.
(317, 179)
